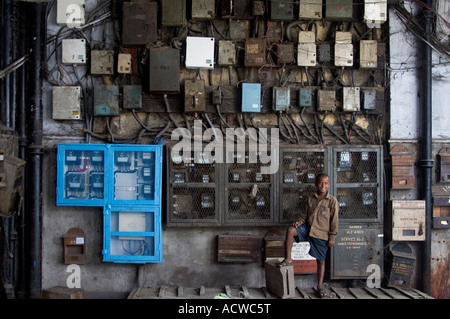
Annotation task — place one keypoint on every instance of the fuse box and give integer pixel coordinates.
(368, 57)
(194, 96)
(341, 10)
(132, 97)
(369, 99)
(203, 9)
(140, 23)
(124, 63)
(132, 234)
(226, 53)
(285, 53)
(281, 98)
(251, 97)
(200, 52)
(164, 70)
(74, 51)
(102, 62)
(70, 13)
(281, 10)
(255, 52)
(343, 49)
(173, 13)
(408, 220)
(106, 100)
(310, 9)
(324, 52)
(375, 12)
(66, 102)
(306, 53)
(305, 98)
(351, 99)
(326, 100)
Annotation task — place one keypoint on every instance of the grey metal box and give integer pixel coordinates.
(203, 9)
(67, 103)
(281, 98)
(132, 97)
(226, 53)
(106, 100)
(102, 62)
(305, 98)
(139, 23)
(173, 12)
(281, 10)
(280, 280)
(341, 10)
(310, 9)
(164, 70)
(326, 100)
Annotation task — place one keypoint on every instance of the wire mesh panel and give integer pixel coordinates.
(358, 183)
(298, 170)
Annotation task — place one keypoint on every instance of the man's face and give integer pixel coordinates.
(322, 185)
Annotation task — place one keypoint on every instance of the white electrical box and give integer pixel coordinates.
(102, 62)
(408, 220)
(124, 63)
(131, 222)
(368, 54)
(375, 12)
(227, 53)
(310, 9)
(306, 50)
(66, 103)
(74, 51)
(199, 53)
(351, 99)
(343, 49)
(70, 13)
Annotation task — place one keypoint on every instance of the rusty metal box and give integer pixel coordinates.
(326, 100)
(255, 52)
(281, 10)
(285, 53)
(106, 100)
(408, 220)
(280, 281)
(132, 97)
(402, 168)
(226, 53)
(203, 9)
(139, 23)
(341, 10)
(173, 13)
(102, 62)
(194, 96)
(164, 70)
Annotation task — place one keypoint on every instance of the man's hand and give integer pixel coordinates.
(296, 224)
(330, 243)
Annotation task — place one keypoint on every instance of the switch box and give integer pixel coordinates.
(281, 10)
(255, 52)
(343, 49)
(251, 97)
(227, 53)
(67, 102)
(164, 70)
(324, 53)
(124, 63)
(375, 12)
(194, 96)
(70, 13)
(102, 62)
(326, 100)
(305, 98)
(139, 23)
(285, 53)
(132, 97)
(369, 99)
(281, 98)
(106, 100)
(310, 9)
(368, 57)
(351, 99)
(306, 51)
(173, 13)
(74, 51)
(340, 10)
(203, 9)
(408, 220)
(199, 52)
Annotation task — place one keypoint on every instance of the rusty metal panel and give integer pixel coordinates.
(164, 70)
(239, 248)
(401, 266)
(255, 52)
(173, 13)
(357, 246)
(194, 96)
(139, 22)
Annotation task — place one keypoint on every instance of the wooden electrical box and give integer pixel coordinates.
(74, 246)
(239, 249)
(402, 168)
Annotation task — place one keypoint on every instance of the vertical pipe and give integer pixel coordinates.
(426, 160)
(36, 17)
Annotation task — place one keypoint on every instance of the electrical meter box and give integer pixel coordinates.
(375, 12)
(326, 100)
(306, 52)
(343, 49)
(281, 10)
(226, 53)
(281, 98)
(124, 63)
(324, 52)
(102, 62)
(70, 13)
(351, 99)
(106, 100)
(164, 70)
(199, 52)
(340, 10)
(251, 97)
(132, 234)
(369, 99)
(67, 103)
(255, 52)
(194, 96)
(305, 98)
(74, 51)
(173, 13)
(310, 9)
(132, 97)
(139, 23)
(368, 56)
(408, 220)
(285, 53)
(203, 9)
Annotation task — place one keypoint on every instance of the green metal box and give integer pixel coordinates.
(341, 10)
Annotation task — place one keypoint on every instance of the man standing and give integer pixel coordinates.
(318, 224)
